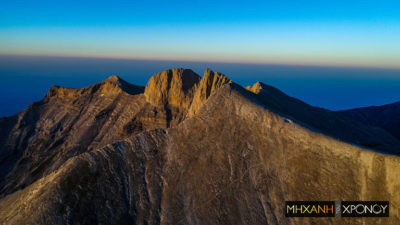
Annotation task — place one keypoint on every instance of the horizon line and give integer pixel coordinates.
(266, 63)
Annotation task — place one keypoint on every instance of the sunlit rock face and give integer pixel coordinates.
(172, 87)
(172, 90)
(210, 82)
(186, 150)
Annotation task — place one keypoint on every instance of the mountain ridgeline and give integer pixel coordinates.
(187, 149)
(386, 117)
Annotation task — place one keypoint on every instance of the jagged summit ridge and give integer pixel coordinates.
(210, 82)
(183, 88)
(177, 94)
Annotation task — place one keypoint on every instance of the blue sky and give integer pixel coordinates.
(355, 33)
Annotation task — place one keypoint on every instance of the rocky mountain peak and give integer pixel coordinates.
(116, 85)
(256, 88)
(210, 82)
(173, 87)
(261, 88)
(113, 78)
(213, 80)
(183, 89)
(111, 86)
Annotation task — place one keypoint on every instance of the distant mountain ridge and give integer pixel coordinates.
(385, 116)
(186, 149)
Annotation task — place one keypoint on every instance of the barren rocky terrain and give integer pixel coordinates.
(187, 149)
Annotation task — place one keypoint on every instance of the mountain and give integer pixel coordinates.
(186, 150)
(386, 117)
(326, 121)
(68, 122)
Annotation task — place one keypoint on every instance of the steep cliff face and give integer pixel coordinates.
(172, 87)
(329, 122)
(172, 90)
(182, 92)
(233, 162)
(210, 82)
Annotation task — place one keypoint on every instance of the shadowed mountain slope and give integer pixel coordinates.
(234, 159)
(326, 121)
(385, 116)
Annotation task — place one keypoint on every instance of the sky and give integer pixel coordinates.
(334, 33)
(336, 54)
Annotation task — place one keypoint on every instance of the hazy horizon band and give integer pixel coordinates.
(26, 79)
(341, 33)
